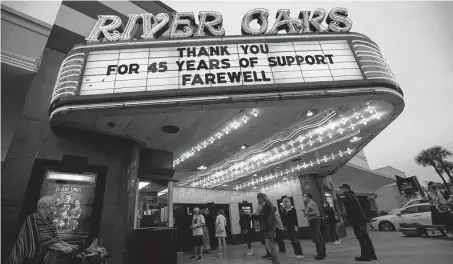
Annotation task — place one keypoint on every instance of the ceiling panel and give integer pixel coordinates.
(142, 125)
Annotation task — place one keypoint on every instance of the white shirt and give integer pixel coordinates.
(220, 223)
(198, 219)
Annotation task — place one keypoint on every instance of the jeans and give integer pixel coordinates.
(318, 239)
(272, 247)
(333, 231)
(280, 241)
(294, 242)
(366, 246)
(247, 238)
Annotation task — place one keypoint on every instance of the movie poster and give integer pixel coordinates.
(74, 207)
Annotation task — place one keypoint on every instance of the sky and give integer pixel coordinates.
(416, 39)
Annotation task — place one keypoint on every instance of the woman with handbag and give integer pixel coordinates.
(220, 231)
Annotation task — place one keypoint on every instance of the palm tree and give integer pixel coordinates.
(440, 154)
(425, 159)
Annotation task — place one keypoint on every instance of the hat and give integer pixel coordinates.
(344, 185)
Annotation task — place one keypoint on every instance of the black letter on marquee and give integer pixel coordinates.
(221, 77)
(329, 56)
(122, 69)
(185, 78)
(133, 68)
(299, 59)
(210, 78)
(243, 62)
(224, 50)
(272, 62)
(111, 68)
(180, 64)
(226, 63)
(310, 60)
(320, 59)
(247, 76)
(253, 61)
(181, 51)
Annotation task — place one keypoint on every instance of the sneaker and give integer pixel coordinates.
(199, 259)
(193, 257)
(320, 257)
(299, 256)
(250, 253)
(266, 257)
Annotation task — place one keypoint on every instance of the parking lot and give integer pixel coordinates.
(391, 248)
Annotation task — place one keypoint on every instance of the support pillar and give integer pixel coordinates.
(170, 203)
(310, 183)
(132, 188)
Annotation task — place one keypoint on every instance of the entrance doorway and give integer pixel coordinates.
(183, 220)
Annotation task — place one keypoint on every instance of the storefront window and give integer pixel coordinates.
(152, 204)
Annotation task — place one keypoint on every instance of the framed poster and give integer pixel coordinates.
(75, 194)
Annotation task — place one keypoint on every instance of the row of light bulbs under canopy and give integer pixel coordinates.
(226, 130)
(327, 132)
(295, 168)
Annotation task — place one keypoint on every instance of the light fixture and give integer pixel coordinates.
(311, 112)
(244, 146)
(142, 185)
(202, 167)
(355, 139)
(225, 185)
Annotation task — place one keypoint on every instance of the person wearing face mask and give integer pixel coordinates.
(38, 241)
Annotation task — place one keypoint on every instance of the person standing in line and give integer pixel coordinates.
(257, 224)
(289, 217)
(357, 219)
(331, 222)
(279, 232)
(197, 226)
(220, 231)
(246, 230)
(206, 240)
(314, 219)
(267, 225)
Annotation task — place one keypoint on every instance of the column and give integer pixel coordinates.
(170, 203)
(132, 187)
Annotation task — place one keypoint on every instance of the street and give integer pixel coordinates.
(391, 248)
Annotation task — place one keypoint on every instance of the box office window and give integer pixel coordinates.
(151, 204)
(75, 193)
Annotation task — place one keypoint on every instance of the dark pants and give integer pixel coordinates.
(333, 231)
(318, 239)
(248, 238)
(280, 241)
(366, 246)
(264, 244)
(295, 242)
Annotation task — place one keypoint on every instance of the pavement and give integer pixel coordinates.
(391, 248)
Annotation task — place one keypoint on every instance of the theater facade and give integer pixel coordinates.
(142, 129)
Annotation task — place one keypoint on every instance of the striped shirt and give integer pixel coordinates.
(312, 210)
(36, 236)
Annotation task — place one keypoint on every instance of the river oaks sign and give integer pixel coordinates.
(211, 23)
(215, 65)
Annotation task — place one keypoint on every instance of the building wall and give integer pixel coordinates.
(390, 172)
(360, 160)
(388, 197)
(45, 11)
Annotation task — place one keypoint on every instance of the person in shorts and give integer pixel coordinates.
(197, 231)
(220, 231)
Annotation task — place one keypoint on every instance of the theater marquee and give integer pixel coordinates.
(201, 66)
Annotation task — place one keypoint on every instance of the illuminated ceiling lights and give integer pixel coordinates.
(202, 167)
(295, 145)
(295, 168)
(255, 156)
(224, 131)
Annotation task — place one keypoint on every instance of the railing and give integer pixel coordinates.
(69, 76)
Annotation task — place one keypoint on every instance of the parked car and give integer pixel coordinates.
(418, 213)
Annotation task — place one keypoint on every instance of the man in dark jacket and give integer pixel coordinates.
(289, 218)
(268, 224)
(246, 230)
(356, 218)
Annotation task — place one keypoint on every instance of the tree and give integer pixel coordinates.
(439, 154)
(426, 158)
